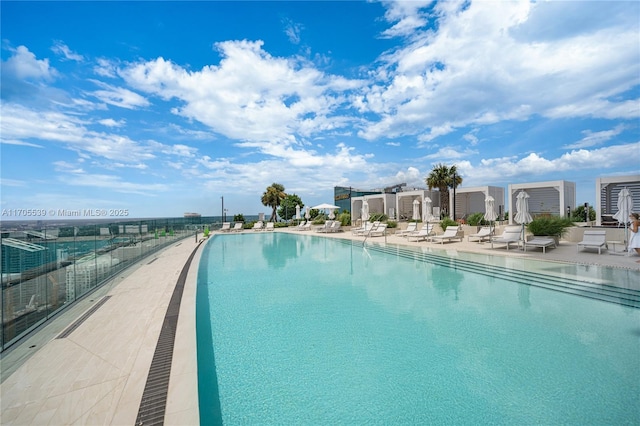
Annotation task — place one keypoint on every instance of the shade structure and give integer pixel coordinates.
(416, 210)
(307, 215)
(325, 207)
(625, 207)
(297, 211)
(427, 216)
(364, 213)
(522, 208)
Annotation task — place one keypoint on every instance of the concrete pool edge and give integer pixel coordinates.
(97, 375)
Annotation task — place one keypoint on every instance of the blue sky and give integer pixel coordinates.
(163, 108)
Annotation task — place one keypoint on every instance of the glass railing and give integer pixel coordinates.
(46, 267)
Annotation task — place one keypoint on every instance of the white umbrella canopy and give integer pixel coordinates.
(625, 207)
(490, 209)
(416, 210)
(490, 214)
(522, 208)
(364, 212)
(326, 206)
(297, 211)
(307, 215)
(427, 215)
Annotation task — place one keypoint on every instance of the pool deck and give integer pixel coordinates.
(97, 374)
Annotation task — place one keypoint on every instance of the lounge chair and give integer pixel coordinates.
(510, 235)
(485, 233)
(306, 226)
(379, 231)
(325, 228)
(411, 227)
(258, 226)
(593, 239)
(335, 227)
(450, 234)
(238, 227)
(423, 234)
(300, 226)
(365, 229)
(226, 227)
(269, 227)
(543, 242)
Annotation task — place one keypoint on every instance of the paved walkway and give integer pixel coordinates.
(97, 374)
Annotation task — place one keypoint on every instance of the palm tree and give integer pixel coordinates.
(272, 197)
(441, 177)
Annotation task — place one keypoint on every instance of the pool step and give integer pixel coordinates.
(593, 290)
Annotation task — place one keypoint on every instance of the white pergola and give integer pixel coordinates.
(552, 198)
(471, 200)
(607, 190)
(378, 203)
(404, 202)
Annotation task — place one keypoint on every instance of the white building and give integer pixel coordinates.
(87, 272)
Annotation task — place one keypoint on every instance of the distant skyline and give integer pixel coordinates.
(162, 108)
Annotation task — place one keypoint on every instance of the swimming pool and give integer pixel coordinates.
(300, 329)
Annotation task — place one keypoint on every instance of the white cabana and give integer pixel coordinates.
(472, 200)
(545, 198)
(405, 199)
(378, 203)
(607, 192)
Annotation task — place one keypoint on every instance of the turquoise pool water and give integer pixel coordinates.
(299, 329)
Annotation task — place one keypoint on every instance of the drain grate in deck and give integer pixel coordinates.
(83, 318)
(154, 398)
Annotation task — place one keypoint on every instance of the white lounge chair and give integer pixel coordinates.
(484, 233)
(258, 226)
(300, 226)
(325, 228)
(411, 227)
(543, 242)
(379, 231)
(335, 227)
(238, 227)
(269, 227)
(226, 227)
(425, 233)
(366, 228)
(450, 234)
(593, 239)
(510, 235)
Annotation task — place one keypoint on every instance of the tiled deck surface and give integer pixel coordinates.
(97, 374)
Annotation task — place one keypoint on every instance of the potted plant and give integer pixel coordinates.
(550, 226)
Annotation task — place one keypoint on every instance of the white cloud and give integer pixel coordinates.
(596, 138)
(24, 65)
(480, 67)
(23, 124)
(292, 30)
(534, 165)
(250, 96)
(119, 96)
(60, 48)
(110, 122)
